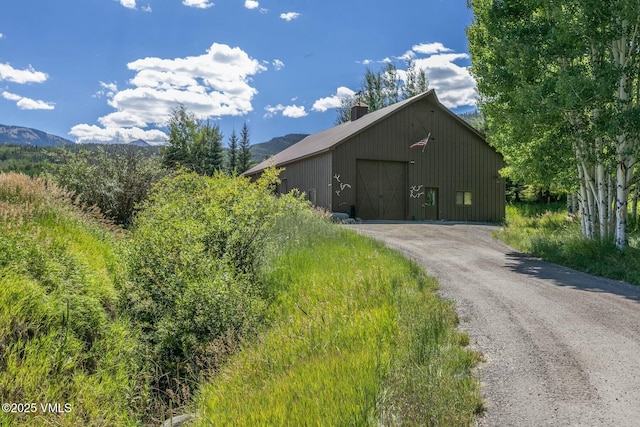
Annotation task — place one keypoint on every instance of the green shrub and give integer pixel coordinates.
(115, 180)
(194, 259)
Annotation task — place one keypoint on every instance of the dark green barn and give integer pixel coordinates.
(411, 160)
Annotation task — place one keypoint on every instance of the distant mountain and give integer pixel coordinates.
(140, 143)
(264, 150)
(17, 135)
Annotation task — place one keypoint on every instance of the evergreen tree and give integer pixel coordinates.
(232, 156)
(213, 154)
(244, 156)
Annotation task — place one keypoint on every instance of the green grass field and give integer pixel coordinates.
(548, 232)
(358, 338)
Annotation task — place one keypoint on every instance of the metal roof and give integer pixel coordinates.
(327, 139)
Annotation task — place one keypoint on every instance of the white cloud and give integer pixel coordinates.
(408, 55)
(107, 89)
(294, 112)
(324, 104)
(85, 133)
(29, 75)
(27, 103)
(291, 111)
(278, 65)
(146, 8)
(199, 4)
(452, 82)
(1, 36)
(289, 16)
(251, 4)
(214, 84)
(272, 111)
(129, 4)
(430, 48)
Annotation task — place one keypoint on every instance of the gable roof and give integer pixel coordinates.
(327, 139)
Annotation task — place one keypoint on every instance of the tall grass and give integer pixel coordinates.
(358, 337)
(348, 332)
(60, 339)
(548, 232)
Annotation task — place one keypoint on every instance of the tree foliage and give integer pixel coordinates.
(415, 82)
(193, 144)
(232, 153)
(559, 85)
(116, 179)
(383, 88)
(244, 151)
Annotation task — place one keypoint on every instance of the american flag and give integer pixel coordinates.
(422, 143)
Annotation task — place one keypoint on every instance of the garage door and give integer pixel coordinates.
(381, 189)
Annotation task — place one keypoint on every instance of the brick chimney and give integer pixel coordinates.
(359, 110)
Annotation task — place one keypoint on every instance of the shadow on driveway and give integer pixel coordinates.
(564, 276)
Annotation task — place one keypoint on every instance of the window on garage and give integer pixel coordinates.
(463, 198)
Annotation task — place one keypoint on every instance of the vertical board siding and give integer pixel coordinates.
(313, 173)
(455, 159)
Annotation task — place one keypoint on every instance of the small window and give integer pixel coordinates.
(463, 198)
(430, 197)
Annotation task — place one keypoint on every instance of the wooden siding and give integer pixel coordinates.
(312, 176)
(455, 159)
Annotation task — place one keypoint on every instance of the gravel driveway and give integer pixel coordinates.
(562, 348)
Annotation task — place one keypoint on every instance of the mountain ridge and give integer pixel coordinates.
(21, 135)
(264, 150)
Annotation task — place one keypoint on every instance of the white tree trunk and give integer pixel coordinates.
(587, 205)
(602, 198)
(622, 195)
(611, 210)
(634, 201)
(623, 51)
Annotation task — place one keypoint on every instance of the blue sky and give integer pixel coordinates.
(107, 70)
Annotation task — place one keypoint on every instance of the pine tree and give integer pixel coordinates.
(244, 156)
(213, 154)
(232, 156)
